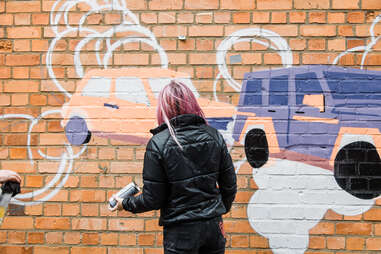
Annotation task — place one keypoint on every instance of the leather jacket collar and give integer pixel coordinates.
(180, 121)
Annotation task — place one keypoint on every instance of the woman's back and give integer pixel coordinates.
(192, 170)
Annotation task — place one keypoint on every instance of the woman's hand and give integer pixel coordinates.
(8, 175)
(118, 206)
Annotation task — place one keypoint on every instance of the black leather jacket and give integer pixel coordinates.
(183, 183)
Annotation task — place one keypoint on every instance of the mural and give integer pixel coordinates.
(310, 132)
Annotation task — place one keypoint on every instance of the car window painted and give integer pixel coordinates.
(131, 89)
(157, 84)
(97, 87)
(354, 86)
(306, 83)
(253, 95)
(278, 90)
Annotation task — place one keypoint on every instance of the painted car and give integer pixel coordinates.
(325, 116)
(121, 104)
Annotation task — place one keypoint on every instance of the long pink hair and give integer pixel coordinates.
(176, 99)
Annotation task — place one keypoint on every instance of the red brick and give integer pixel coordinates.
(370, 4)
(89, 224)
(274, 4)
(87, 195)
(317, 17)
(16, 237)
(40, 45)
(237, 5)
(283, 30)
(297, 17)
(35, 237)
(126, 224)
(167, 17)
(22, 19)
(318, 30)
(109, 239)
(88, 250)
(148, 18)
(146, 239)
(336, 17)
(34, 181)
(222, 17)
(38, 99)
(40, 18)
(237, 226)
(348, 4)
(23, 6)
(24, 32)
(17, 152)
(206, 30)
(54, 237)
(240, 241)
(90, 210)
(278, 17)
(22, 60)
(316, 44)
(241, 17)
(311, 4)
(347, 228)
(335, 243)
(52, 223)
(5, 100)
(356, 17)
(50, 249)
(204, 18)
(20, 72)
(17, 223)
(373, 214)
(345, 30)
(185, 18)
(317, 58)
(70, 209)
(16, 250)
(206, 58)
(6, 19)
(90, 238)
(127, 239)
(72, 237)
(355, 243)
(373, 244)
(165, 5)
(201, 5)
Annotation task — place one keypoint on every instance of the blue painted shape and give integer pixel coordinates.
(306, 83)
(252, 92)
(279, 90)
(220, 123)
(352, 96)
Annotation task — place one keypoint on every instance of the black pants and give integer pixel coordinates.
(200, 237)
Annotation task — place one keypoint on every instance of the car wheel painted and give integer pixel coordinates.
(76, 131)
(256, 148)
(357, 170)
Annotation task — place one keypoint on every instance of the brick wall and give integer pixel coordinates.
(289, 205)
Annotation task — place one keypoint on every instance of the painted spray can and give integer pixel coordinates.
(129, 190)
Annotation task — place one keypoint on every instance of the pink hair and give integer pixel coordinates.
(176, 99)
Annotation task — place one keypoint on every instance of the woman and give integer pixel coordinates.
(188, 174)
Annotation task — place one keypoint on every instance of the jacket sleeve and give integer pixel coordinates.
(227, 179)
(154, 191)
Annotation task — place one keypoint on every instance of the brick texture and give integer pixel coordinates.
(75, 219)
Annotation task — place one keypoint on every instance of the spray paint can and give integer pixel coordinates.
(129, 190)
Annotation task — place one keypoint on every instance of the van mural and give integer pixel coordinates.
(304, 113)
